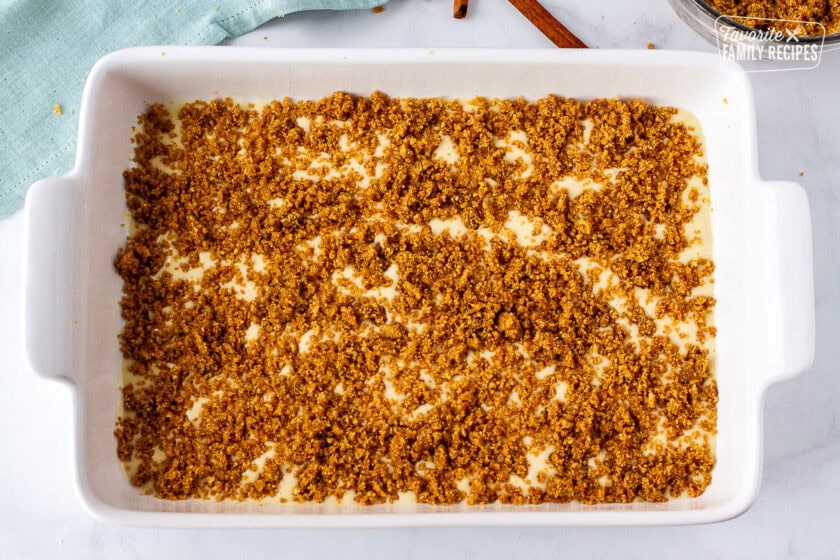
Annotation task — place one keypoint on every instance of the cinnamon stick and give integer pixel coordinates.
(459, 10)
(548, 24)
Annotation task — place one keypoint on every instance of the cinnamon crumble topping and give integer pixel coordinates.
(823, 12)
(372, 297)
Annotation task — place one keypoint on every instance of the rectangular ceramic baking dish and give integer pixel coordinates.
(74, 226)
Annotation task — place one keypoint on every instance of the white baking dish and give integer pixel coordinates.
(761, 230)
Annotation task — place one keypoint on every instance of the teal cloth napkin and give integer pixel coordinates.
(47, 47)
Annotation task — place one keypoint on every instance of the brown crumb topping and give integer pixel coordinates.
(824, 12)
(292, 318)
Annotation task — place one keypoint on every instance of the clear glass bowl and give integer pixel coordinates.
(708, 22)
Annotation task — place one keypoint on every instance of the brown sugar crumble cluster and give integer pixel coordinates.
(824, 12)
(377, 298)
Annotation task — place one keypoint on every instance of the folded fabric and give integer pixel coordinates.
(47, 47)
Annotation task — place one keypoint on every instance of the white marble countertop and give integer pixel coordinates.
(797, 514)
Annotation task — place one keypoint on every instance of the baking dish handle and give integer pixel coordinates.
(48, 277)
(787, 236)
